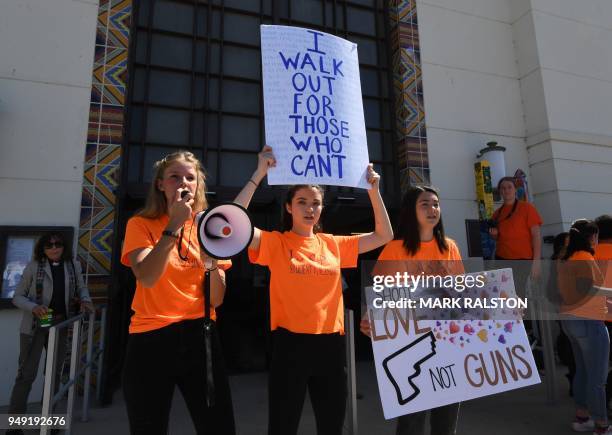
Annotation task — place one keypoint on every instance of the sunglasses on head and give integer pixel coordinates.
(56, 244)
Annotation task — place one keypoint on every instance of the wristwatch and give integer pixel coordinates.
(169, 233)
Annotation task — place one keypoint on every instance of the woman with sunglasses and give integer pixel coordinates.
(50, 284)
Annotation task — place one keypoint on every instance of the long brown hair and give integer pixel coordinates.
(287, 219)
(156, 205)
(408, 228)
(580, 235)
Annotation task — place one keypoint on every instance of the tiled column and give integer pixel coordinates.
(103, 151)
(411, 138)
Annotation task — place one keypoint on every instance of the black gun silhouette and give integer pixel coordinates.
(421, 350)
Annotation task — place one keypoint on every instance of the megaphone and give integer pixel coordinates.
(224, 230)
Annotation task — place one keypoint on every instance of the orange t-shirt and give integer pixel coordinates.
(603, 255)
(514, 240)
(581, 266)
(428, 258)
(178, 294)
(305, 281)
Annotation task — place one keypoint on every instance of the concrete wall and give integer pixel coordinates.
(472, 96)
(47, 49)
(534, 75)
(564, 53)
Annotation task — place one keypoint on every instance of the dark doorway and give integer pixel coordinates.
(194, 83)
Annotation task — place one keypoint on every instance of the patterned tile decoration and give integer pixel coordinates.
(103, 147)
(411, 138)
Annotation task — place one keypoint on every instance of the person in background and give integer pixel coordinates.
(421, 244)
(603, 251)
(564, 347)
(166, 345)
(603, 256)
(306, 303)
(52, 283)
(517, 231)
(585, 312)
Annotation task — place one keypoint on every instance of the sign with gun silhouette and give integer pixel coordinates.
(427, 359)
(313, 107)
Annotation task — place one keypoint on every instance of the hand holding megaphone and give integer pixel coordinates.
(180, 209)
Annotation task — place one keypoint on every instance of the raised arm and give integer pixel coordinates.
(383, 233)
(265, 160)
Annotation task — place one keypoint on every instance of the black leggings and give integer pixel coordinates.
(307, 361)
(158, 360)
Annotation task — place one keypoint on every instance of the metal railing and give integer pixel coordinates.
(50, 398)
(542, 330)
(350, 422)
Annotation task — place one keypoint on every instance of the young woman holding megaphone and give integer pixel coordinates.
(306, 306)
(166, 346)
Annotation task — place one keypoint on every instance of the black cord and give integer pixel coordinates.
(180, 241)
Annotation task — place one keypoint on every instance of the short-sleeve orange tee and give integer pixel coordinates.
(305, 281)
(581, 265)
(603, 255)
(514, 240)
(178, 294)
(429, 257)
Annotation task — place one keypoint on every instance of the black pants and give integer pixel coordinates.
(307, 361)
(158, 360)
(442, 421)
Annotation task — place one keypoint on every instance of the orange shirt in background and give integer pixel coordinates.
(178, 294)
(514, 240)
(305, 280)
(603, 255)
(581, 266)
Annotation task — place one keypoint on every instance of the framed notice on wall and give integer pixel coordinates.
(17, 245)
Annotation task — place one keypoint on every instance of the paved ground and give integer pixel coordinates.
(523, 411)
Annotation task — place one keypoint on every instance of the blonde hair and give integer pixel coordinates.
(156, 204)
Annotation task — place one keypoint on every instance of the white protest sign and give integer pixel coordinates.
(424, 364)
(313, 108)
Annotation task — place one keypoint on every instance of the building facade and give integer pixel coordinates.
(92, 92)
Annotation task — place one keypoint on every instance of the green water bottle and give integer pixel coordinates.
(47, 319)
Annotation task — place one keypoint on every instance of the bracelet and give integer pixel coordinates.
(211, 270)
(256, 184)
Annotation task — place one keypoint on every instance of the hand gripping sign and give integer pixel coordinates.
(426, 358)
(313, 108)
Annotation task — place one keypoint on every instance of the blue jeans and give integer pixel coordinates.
(591, 347)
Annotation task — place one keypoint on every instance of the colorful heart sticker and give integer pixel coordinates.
(468, 329)
(482, 334)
